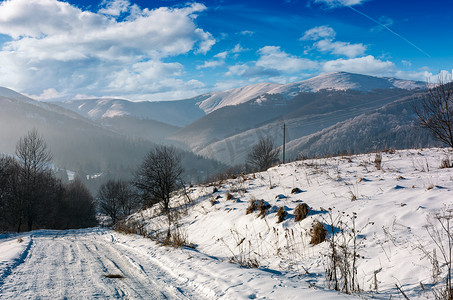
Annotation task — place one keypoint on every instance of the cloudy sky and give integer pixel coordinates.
(165, 49)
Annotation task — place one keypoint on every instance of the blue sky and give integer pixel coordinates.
(165, 49)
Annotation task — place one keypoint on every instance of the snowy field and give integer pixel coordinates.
(391, 204)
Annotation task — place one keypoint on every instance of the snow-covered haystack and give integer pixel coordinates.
(389, 200)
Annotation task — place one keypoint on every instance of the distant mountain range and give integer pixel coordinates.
(87, 147)
(327, 114)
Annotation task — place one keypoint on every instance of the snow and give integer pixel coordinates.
(235, 96)
(342, 81)
(72, 264)
(392, 205)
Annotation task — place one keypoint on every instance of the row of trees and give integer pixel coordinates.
(31, 197)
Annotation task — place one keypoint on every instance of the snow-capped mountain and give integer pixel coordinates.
(183, 112)
(176, 113)
(236, 96)
(342, 81)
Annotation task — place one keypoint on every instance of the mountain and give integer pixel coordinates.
(175, 113)
(223, 125)
(84, 146)
(228, 133)
(342, 81)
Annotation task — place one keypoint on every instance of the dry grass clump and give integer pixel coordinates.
(20, 240)
(301, 212)
(229, 196)
(296, 191)
(263, 207)
(318, 233)
(213, 201)
(281, 214)
(177, 239)
(125, 227)
(446, 163)
(378, 161)
(252, 206)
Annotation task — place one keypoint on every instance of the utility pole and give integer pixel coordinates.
(284, 141)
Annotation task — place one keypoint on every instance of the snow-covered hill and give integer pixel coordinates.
(391, 205)
(236, 96)
(342, 81)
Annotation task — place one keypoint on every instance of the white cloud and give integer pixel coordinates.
(247, 33)
(324, 37)
(339, 3)
(57, 45)
(368, 65)
(406, 63)
(211, 64)
(114, 7)
(320, 32)
(47, 94)
(272, 57)
(341, 48)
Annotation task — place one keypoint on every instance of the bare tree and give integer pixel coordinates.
(435, 110)
(264, 154)
(34, 158)
(109, 199)
(160, 175)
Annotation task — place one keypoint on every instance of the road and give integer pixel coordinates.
(73, 264)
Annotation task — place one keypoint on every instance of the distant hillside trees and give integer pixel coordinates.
(263, 155)
(435, 110)
(31, 197)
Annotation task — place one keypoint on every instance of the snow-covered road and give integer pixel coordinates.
(72, 264)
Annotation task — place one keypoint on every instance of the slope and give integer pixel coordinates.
(238, 220)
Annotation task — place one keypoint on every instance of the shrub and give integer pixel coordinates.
(318, 233)
(301, 212)
(281, 214)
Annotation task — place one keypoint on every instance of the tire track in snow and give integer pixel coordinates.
(71, 265)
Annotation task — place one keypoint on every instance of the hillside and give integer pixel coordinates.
(86, 147)
(391, 205)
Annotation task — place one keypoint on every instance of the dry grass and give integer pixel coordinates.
(263, 207)
(125, 227)
(296, 191)
(20, 240)
(229, 196)
(252, 206)
(281, 214)
(378, 161)
(301, 212)
(446, 163)
(318, 233)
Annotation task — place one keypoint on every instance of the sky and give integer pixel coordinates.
(167, 50)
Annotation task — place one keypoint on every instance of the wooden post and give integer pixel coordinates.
(284, 141)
